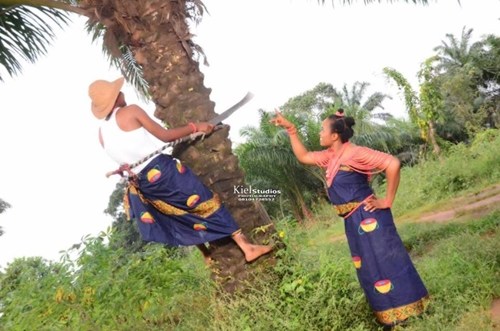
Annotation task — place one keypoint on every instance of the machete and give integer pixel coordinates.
(221, 117)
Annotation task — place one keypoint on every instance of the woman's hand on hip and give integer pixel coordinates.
(372, 204)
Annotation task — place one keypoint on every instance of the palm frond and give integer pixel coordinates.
(375, 100)
(132, 71)
(25, 34)
(121, 57)
(378, 140)
(4, 205)
(383, 116)
(457, 52)
(249, 131)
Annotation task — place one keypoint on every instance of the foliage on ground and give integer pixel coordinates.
(465, 169)
(311, 285)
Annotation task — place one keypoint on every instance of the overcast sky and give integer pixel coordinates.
(52, 166)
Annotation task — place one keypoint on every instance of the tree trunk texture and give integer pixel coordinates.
(158, 35)
(432, 137)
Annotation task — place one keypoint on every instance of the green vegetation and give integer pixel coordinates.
(452, 118)
(318, 289)
(310, 284)
(116, 282)
(311, 287)
(467, 168)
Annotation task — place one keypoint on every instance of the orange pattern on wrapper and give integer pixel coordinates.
(180, 167)
(356, 260)
(395, 315)
(368, 225)
(192, 200)
(153, 175)
(199, 227)
(207, 208)
(126, 203)
(204, 209)
(147, 218)
(384, 286)
(345, 208)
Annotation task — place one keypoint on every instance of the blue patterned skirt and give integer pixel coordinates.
(172, 206)
(388, 277)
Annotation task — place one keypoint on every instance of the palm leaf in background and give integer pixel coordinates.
(25, 34)
(267, 159)
(119, 56)
(3, 206)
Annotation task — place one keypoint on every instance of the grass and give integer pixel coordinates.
(462, 275)
(417, 237)
(316, 288)
(311, 286)
(464, 170)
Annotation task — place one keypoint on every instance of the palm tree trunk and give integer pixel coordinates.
(158, 36)
(432, 137)
(302, 210)
(308, 215)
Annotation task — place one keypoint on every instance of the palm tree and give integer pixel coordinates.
(25, 31)
(470, 80)
(151, 40)
(154, 36)
(457, 53)
(268, 160)
(370, 126)
(323, 100)
(489, 59)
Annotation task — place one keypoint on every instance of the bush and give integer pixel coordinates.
(465, 168)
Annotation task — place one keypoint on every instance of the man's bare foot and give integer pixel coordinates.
(253, 252)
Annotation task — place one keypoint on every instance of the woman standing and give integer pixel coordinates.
(171, 205)
(390, 281)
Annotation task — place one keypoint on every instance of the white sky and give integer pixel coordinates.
(52, 167)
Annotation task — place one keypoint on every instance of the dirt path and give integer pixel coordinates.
(495, 314)
(471, 206)
(475, 205)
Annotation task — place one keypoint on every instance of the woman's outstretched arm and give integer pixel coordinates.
(298, 148)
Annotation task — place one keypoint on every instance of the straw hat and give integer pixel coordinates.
(103, 95)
